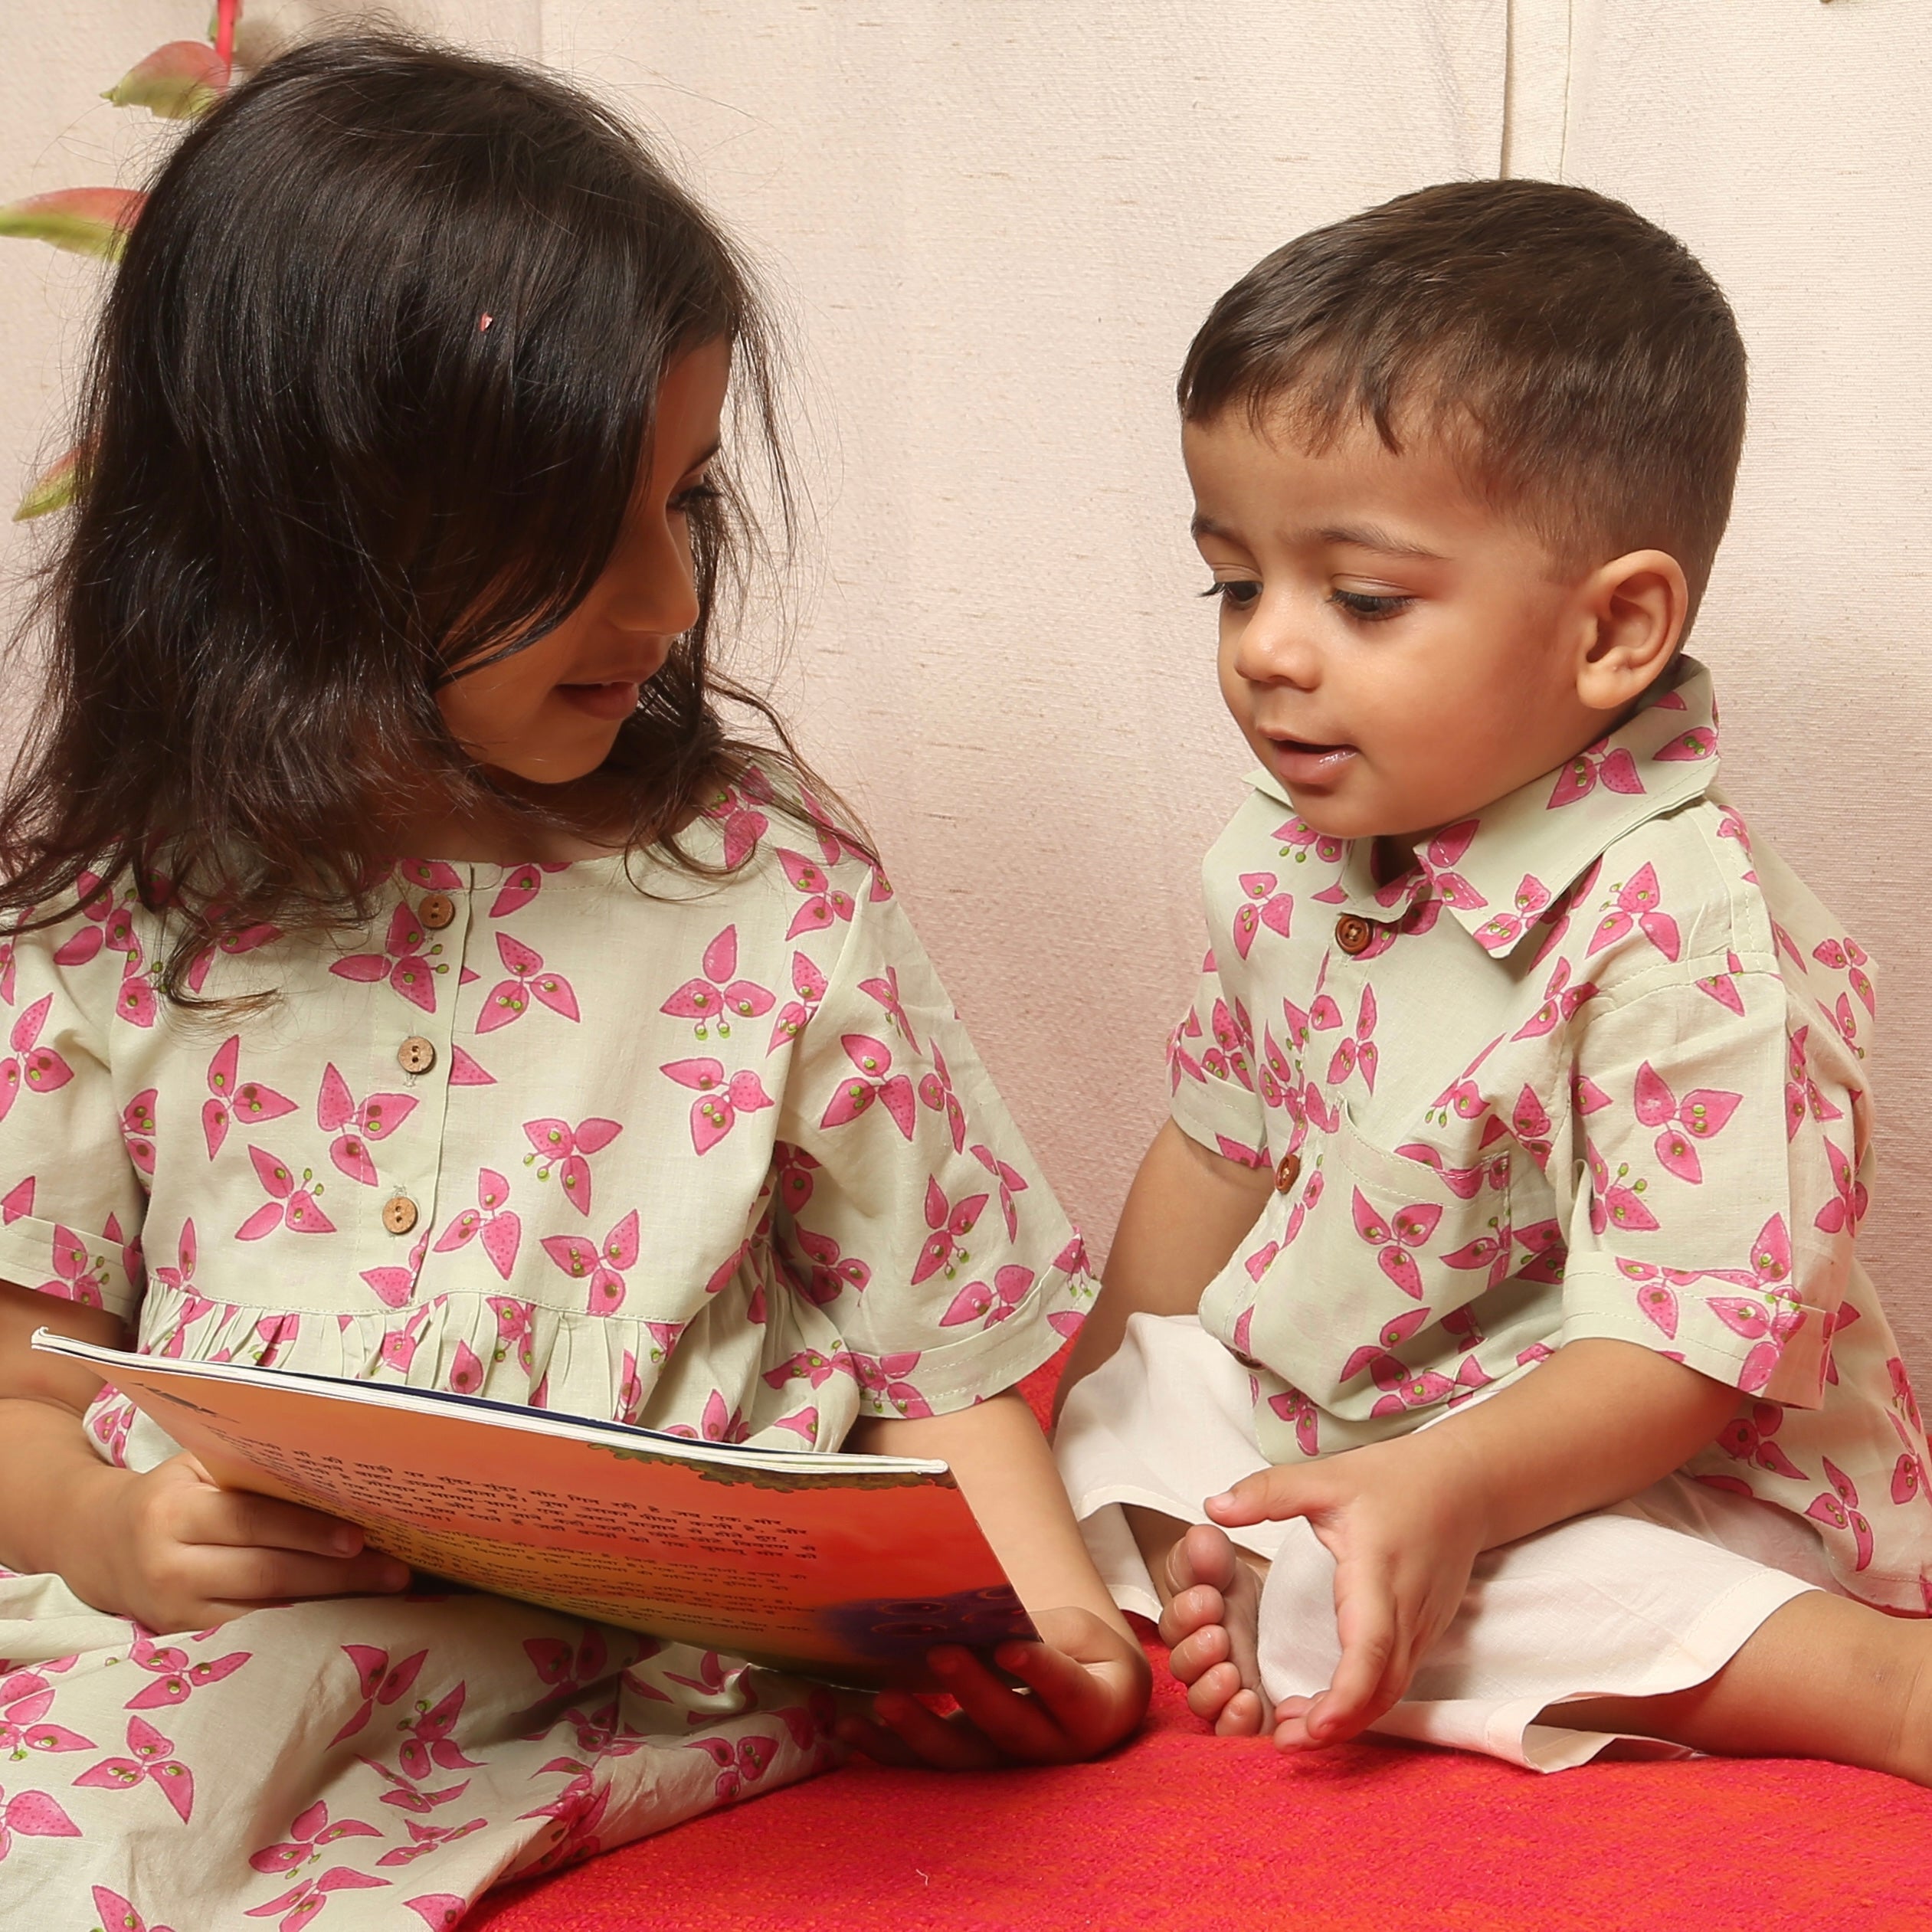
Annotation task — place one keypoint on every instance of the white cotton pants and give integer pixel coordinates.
(1654, 1595)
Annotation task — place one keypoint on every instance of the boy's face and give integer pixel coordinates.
(1398, 655)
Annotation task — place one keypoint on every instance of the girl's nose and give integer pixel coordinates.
(1276, 645)
(652, 586)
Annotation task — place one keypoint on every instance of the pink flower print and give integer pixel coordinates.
(945, 1246)
(1560, 1000)
(466, 1373)
(97, 907)
(393, 1286)
(150, 1756)
(1009, 1181)
(1227, 1059)
(1845, 1020)
(558, 1145)
(824, 903)
(521, 886)
(398, 1346)
(1614, 1199)
(299, 1905)
(117, 1915)
(1440, 857)
(137, 1131)
(1844, 1212)
(742, 823)
(75, 1279)
(234, 1099)
(1840, 1511)
(514, 1335)
(404, 962)
(832, 1272)
(717, 1425)
(312, 1829)
(1295, 1408)
(809, 984)
(1499, 934)
(1403, 1387)
(883, 1378)
(876, 1081)
(18, 1203)
(1549, 1253)
(1908, 1476)
(9, 972)
(25, 1698)
(1357, 1052)
(1801, 1096)
(242, 940)
(1394, 1236)
(508, 1000)
(1723, 987)
(1615, 770)
(792, 1167)
(136, 1002)
(1902, 1397)
(175, 1678)
(718, 994)
(809, 1365)
(37, 1068)
(1702, 1113)
(1491, 1252)
(1848, 957)
(1298, 842)
(31, 1814)
(989, 1306)
(1638, 904)
(465, 1071)
(602, 1268)
(1181, 1063)
(1689, 747)
(745, 1765)
(355, 1124)
(936, 1092)
(1749, 1439)
(429, 1744)
(721, 1100)
(885, 990)
(567, 1666)
(290, 1206)
(424, 1839)
(1263, 906)
(501, 1227)
(804, 1425)
(382, 1682)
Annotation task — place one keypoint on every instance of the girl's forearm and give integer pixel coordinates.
(54, 1492)
(1006, 1469)
(1596, 1423)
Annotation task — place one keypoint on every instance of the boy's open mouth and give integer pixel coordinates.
(1306, 762)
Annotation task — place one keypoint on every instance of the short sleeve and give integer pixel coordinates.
(1212, 1070)
(1717, 1189)
(909, 1207)
(71, 1203)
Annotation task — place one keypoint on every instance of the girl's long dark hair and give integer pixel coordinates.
(314, 478)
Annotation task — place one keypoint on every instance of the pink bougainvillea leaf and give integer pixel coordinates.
(175, 82)
(81, 221)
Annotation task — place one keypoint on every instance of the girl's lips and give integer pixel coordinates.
(615, 700)
(1312, 766)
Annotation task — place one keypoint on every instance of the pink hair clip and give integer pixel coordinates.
(483, 323)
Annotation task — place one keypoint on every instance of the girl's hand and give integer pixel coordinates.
(175, 1552)
(1405, 1522)
(1086, 1687)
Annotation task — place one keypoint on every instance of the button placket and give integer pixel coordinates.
(412, 1174)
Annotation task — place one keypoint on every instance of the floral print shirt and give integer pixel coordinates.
(1588, 1066)
(716, 1157)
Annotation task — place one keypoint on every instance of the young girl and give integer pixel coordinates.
(1491, 1293)
(625, 1090)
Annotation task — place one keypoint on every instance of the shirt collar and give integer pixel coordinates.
(1499, 871)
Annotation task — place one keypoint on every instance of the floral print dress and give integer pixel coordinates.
(1591, 1066)
(712, 1156)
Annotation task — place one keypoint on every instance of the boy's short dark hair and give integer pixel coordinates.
(1584, 369)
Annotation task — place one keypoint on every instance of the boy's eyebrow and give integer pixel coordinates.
(1359, 536)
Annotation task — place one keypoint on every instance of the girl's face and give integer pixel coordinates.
(551, 713)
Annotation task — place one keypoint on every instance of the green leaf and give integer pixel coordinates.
(53, 489)
(83, 220)
(175, 82)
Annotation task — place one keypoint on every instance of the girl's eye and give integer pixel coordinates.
(699, 493)
(1370, 609)
(1237, 593)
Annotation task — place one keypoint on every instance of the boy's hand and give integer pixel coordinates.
(1086, 1687)
(177, 1553)
(1405, 1523)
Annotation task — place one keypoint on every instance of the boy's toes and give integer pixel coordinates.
(1201, 1649)
(1204, 1555)
(1198, 1608)
(1210, 1694)
(1241, 1715)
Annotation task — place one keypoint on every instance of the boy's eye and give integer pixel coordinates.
(1359, 603)
(1238, 592)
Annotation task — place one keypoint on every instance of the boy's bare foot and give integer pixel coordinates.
(1212, 1593)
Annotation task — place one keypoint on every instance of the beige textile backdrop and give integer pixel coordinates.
(992, 225)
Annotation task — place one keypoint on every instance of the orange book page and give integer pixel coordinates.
(848, 1576)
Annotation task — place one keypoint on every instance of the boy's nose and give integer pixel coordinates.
(1276, 647)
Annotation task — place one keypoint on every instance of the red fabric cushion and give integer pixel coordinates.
(1182, 1829)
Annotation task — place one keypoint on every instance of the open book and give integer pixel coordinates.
(848, 1568)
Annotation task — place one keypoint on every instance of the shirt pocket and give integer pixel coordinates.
(1392, 1245)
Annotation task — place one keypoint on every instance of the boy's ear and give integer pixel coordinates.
(1635, 608)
